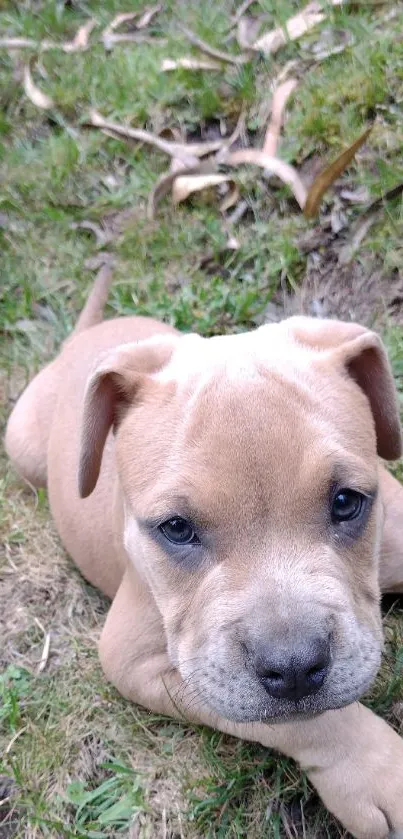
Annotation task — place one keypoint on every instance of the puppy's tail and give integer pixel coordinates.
(93, 311)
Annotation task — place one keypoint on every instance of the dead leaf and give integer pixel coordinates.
(338, 219)
(110, 36)
(290, 65)
(8, 750)
(209, 50)
(80, 40)
(321, 56)
(17, 43)
(294, 28)
(229, 141)
(185, 185)
(232, 243)
(45, 654)
(275, 166)
(238, 213)
(231, 199)
(327, 176)
(247, 31)
(348, 251)
(129, 38)
(280, 97)
(118, 20)
(186, 152)
(356, 196)
(242, 10)
(165, 183)
(371, 214)
(147, 16)
(36, 96)
(188, 63)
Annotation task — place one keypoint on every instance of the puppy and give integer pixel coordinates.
(227, 494)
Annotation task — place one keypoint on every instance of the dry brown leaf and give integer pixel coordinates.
(129, 38)
(242, 10)
(290, 65)
(329, 174)
(228, 142)
(147, 16)
(280, 97)
(231, 199)
(238, 213)
(110, 36)
(165, 182)
(247, 31)
(80, 40)
(321, 56)
(186, 152)
(233, 244)
(118, 20)
(348, 251)
(294, 28)
(188, 63)
(209, 50)
(355, 196)
(185, 185)
(17, 43)
(45, 654)
(283, 170)
(10, 746)
(37, 97)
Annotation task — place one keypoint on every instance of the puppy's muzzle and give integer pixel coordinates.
(295, 671)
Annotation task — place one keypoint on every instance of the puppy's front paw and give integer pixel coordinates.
(364, 790)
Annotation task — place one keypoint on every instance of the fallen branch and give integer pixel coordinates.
(36, 96)
(280, 98)
(188, 63)
(296, 26)
(186, 152)
(287, 173)
(214, 53)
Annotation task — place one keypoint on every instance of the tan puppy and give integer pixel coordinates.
(236, 515)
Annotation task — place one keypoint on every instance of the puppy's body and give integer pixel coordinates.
(247, 438)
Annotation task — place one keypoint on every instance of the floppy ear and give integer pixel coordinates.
(111, 388)
(362, 355)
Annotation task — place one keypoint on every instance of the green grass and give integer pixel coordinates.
(78, 760)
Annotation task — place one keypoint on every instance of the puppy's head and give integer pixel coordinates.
(249, 468)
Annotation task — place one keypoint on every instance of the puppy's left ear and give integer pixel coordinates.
(118, 381)
(362, 356)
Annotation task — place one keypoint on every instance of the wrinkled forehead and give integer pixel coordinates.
(197, 360)
(255, 407)
(265, 382)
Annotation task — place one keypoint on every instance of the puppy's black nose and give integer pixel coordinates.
(292, 673)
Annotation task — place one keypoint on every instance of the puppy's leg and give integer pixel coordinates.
(351, 756)
(391, 559)
(28, 427)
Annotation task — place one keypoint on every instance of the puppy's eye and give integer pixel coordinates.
(347, 505)
(179, 531)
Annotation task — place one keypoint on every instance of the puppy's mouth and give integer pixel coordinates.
(281, 712)
(247, 703)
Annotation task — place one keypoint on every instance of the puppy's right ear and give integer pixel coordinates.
(112, 387)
